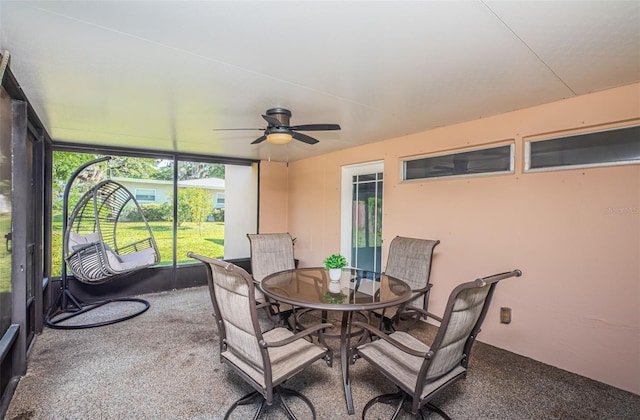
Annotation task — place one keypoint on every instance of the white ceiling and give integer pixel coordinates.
(162, 75)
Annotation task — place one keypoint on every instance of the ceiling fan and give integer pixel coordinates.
(279, 131)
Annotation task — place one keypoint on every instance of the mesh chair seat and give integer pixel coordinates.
(284, 360)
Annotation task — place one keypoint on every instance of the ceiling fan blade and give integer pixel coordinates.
(304, 138)
(315, 127)
(273, 121)
(259, 140)
(237, 129)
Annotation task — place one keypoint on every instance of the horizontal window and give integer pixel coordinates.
(473, 162)
(610, 147)
(145, 194)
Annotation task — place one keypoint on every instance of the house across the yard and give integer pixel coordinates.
(150, 191)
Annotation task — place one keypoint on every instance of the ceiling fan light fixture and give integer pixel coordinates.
(279, 138)
(278, 130)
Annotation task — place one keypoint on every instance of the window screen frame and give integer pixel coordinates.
(528, 156)
(511, 170)
(174, 157)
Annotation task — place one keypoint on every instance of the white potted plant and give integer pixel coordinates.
(335, 263)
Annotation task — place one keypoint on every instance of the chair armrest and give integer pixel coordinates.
(437, 318)
(417, 294)
(296, 336)
(378, 333)
(422, 312)
(423, 290)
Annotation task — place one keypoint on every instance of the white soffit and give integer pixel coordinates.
(162, 75)
(590, 45)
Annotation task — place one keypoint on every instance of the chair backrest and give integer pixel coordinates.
(410, 261)
(465, 311)
(270, 253)
(232, 294)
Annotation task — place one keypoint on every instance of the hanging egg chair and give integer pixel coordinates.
(97, 247)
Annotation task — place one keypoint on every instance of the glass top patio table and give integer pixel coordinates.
(357, 290)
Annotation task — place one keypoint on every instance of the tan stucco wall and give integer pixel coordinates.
(577, 305)
(273, 197)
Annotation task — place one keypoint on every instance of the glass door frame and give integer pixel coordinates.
(346, 206)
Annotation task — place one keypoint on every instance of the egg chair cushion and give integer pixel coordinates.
(78, 241)
(118, 263)
(140, 258)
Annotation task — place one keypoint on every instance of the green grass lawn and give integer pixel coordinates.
(209, 242)
(5, 255)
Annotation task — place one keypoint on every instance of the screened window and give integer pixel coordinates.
(145, 194)
(610, 147)
(473, 162)
(136, 174)
(192, 190)
(201, 227)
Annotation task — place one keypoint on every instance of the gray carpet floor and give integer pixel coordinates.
(164, 364)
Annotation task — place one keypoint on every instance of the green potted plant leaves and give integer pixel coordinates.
(335, 263)
(335, 298)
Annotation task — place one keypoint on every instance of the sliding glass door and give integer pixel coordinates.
(362, 197)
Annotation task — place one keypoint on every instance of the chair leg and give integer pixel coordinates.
(257, 415)
(385, 324)
(436, 410)
(284, 319)
(247, 399)
(273, 316)
(388, 325)
(278, 392)
(286, 391)
(402, 397)
(386, 399)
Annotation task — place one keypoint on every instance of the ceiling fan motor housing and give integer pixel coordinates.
(281, 114)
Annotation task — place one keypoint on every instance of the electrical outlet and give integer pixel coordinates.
(505, 315)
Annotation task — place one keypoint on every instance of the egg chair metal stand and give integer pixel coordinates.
(94, 255)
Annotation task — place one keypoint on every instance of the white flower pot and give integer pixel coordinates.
(334, 287)
(335, 274)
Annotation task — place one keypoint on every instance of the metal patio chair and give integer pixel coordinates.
(267, 359)
(409, 260)
(422, 372)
